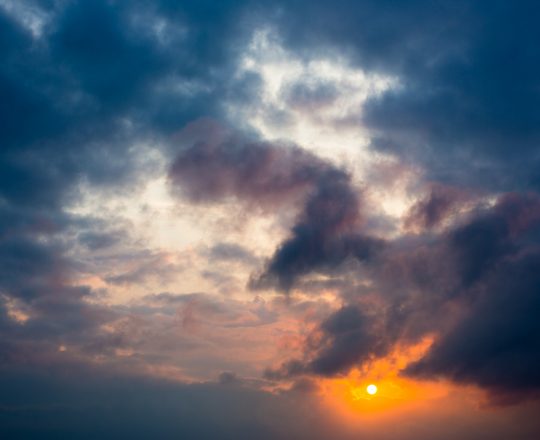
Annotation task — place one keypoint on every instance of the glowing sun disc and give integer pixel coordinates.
(371, 389)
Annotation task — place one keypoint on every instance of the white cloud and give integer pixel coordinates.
(29, 15)
(324, 126)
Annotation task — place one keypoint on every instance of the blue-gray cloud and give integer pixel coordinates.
(102, 76)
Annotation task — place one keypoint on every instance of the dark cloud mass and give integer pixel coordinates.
(495, 343)
(348, 337)
(485, 268)
(101, 101)
(327, 228)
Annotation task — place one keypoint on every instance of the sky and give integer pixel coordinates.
(225, 219)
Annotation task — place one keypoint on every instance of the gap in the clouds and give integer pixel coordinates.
(176, 277)
(167, 232)
(317, 102)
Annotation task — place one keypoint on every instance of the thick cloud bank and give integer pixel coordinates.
(133, 132)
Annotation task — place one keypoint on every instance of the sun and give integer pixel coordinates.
(371, 389)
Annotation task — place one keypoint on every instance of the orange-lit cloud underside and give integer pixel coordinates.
(348, 395)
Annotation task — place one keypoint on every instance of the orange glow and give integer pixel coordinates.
(352, 396)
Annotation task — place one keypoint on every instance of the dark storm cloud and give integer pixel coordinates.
(325, 235)
(496, 342)
(475, 286)
(266, 175)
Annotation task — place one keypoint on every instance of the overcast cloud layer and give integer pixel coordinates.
(213, 212)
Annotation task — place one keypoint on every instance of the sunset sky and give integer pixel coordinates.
(226, 219)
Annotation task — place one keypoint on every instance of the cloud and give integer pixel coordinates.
(261, 173)
(144, 267)
(495, 342)
(231, 252)
(473, 287)
(326, 231)
(348, 338)
(311, 95)
(59, 131)
(93, 91)
(461, 115)
(64, 406)
(81, 92)
(435, 208)
(79, 401)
